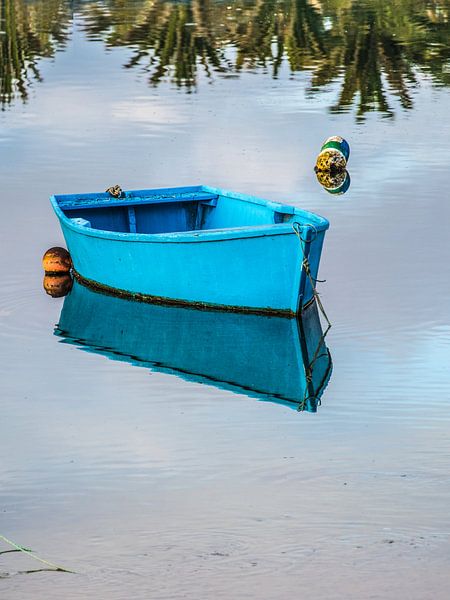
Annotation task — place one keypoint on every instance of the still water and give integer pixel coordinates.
(159, 453)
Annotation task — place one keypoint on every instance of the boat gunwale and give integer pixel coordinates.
(208, 235)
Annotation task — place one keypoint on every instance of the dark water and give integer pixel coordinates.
(153, 483)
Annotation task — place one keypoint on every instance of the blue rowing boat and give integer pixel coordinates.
(269, 358)
(199, 246)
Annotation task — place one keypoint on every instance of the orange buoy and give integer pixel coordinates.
(58, 286)
(56, 260)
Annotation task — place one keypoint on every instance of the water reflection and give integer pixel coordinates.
(28, 31)
(334, 183)
(275, 359)
(57, 286)
(372, 51)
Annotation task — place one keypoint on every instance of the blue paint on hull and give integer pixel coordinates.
(275, 359)
(194, 245)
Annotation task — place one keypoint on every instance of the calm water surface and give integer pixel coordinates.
(149, 482)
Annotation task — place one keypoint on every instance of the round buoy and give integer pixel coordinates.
(330, 160)
(337, 142)
(56, 260)
(334, 183)
(57, 286)
(333, 155)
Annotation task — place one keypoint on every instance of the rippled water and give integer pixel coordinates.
(149, 484)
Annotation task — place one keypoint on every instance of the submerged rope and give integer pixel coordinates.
(27, 551)
(309, 369)
(297, 227)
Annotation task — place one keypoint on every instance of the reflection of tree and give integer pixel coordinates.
(275, 29)
(371, 50)
(168, 38)
(171, 39)
(364, 52)
(377, 48)
(29, 31)
(306, 36)
(431, 49)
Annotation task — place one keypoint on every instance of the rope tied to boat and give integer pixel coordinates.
(305, 265)
(298, 229)
(309, 371)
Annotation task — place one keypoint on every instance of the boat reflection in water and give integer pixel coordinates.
(270, 358)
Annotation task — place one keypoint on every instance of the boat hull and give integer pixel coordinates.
(254, 269)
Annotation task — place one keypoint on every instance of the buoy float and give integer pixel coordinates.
(57, 286)
(56, 260)
(333, 155)
(334, 183)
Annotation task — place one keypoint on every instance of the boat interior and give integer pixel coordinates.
(170, 212)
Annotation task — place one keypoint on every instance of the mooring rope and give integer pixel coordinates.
(297, 227)
(309, 369)
(30, 553)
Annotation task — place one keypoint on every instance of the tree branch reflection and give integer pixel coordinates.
(376, 53)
